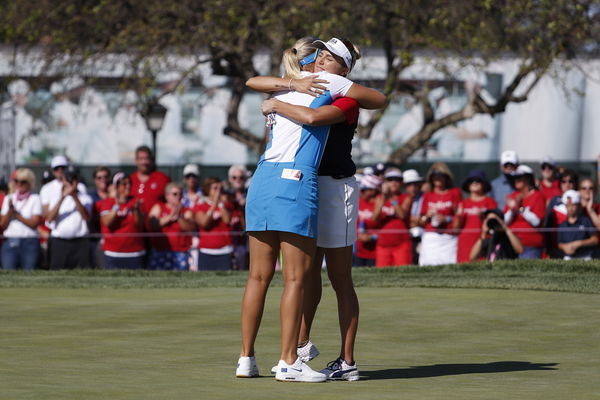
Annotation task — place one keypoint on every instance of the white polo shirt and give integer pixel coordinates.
(303, 144)
(27, 208)
(69, 223)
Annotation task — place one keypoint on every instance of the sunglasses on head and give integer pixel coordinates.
(310, 58)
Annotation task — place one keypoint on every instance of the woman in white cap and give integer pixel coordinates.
(286, 181)
(370, 187)
(556, 211)
(524, 213)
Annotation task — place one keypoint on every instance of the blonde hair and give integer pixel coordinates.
(292, 56)
(27, 175)
(172, 185)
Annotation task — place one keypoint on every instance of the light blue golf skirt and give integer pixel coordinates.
(283, 197)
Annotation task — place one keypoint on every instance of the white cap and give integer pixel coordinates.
(411, 176)
(549, 160)
(368, 171)
(59, 161)
(57, 88)
(509, 156)
(572, 195)
(370, 182)
(72, 82)
(118, 176)
(523, 170)
(18, 87)
(337, 47)
(191, 169)
(393, 173)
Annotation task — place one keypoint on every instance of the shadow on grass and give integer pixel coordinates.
(429, 371)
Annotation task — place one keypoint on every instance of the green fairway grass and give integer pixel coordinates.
(183, 343)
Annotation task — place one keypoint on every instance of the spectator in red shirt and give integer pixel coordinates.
(468, 216)
(370, 186)
(121, 222)
(524, 213)
(213, 217)
(439, 242)
(237, 190)
(392, 212)
(147, 184)
(170, 251)
(549, 182)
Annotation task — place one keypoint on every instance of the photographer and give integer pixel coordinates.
(67, 208)
(497, 241)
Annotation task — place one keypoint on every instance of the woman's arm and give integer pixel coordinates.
(367, 98)
(324, 115)
(186, 221)
(311, 85)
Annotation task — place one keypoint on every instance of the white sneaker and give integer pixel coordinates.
(305, 354)
(246, 367)
(339, 370)
(297, 372)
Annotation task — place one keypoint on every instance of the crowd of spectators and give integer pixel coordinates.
(145, 221)
(515, 215)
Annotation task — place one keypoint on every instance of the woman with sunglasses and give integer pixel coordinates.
(392, 212)
(213, 217)
(122, 223)
(170, 249)
(591, 209)
(468, 215)
(556, 211)
(20, 217)
(286, 180)
(524, 213)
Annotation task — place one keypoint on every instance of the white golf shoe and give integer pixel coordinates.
(297, 372)
(246, 367)
(305, 354)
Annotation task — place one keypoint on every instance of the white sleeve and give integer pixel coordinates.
(85, 200)
(531, 217)
(44, 195)
(5, 206)
(338, 85)
(36, 207)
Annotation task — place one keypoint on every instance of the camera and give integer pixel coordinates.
(493, 225)
(71, 174)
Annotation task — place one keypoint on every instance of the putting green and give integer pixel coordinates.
(184, 343)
